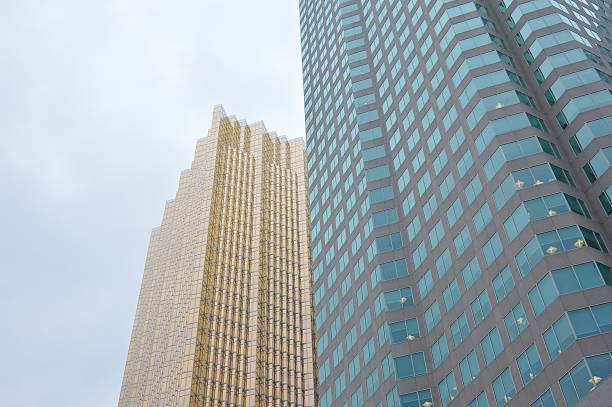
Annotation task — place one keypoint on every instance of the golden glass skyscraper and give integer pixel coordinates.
(224, 316)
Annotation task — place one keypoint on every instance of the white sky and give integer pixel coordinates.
(101, 104)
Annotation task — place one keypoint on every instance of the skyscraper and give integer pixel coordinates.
(460, 192)
(224, 316)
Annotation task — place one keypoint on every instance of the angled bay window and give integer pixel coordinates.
(555, 204)
(582, 104)
(591, 320)
(570, 238)
(599, 164)
(589, 132)
(584, 377)
(418, 398)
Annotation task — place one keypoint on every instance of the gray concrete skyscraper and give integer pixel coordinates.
(460, 191)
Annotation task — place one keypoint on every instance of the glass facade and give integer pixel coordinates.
(464, 147)
(224, 315)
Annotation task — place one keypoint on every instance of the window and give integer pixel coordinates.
(388, 242)
(529, 256)
(432, 316)
(410, 365)
(402, 331)
(376, 173)
(392, 269)
(516, 321)
(448, 389)
(365, 321)
(462, 241)
(471, 273)
(492, 249)
(443, 263)
(387, 366)
(337, 355)
(397, 299)
(351, 338)
(503, 283)
(584, 377)
(555, 204)
(413, 228)
(451, 295)
(491, 345)
(353, 368)
(340, 384)
(482, 217)
(581, 277)
(516, 223)
(439, 351)
(419, 255)
(357, 398)
(372, 383)
(460, 329)
(570, 238)
(380, 194)
(543, 294)
(503, 388)
(348, 311)
(558, 337)
(546, 400)
(529, 364)
(480, 401)
(418, 398)
(373, 153)
(591, 320)
(454, 212)
(425, 284)
(481, 307)
(469, 368)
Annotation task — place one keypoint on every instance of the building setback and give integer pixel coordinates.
(460, 190)
(224, 316)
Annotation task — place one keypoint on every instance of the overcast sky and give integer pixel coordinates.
(101, 104)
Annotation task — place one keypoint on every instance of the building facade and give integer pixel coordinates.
(224, 316)
(460, 190)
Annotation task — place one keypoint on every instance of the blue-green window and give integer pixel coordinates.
(462, 241)
(492, 249)
(348, 310)
(383, 334)
(397, 299)
(591, 320)
(529, 256)
(388, 242)
(439, 350)
(451, 295)
(599, 164)
(460, 329)
(430, 207)
(555, 204)
(448, 389)
(516, 321)
(425, 284)
(419, 255)
(503, 283)
(337, 355)
(367, 117)
(418, 398)
(558, 337)
(570, 238)
(359, 70)
(393, 269)
(471, 272)
(529, 364)
(373, 153)
(491, 345)
(443, 263)
(351, 338)
(326, 398)
(370, 134)
(469, 368)
(376, 173)
(503, 388)
(480, 401)
(322, 343)
(413, 228)
(582, 277)
(481, 307)
(545, 400)
(324, 371)
(335, 327)
(590, 131)
(365, 321)
(436, 234)
(339, 384)
(432, 316)
(448, 185)
(543, 294)
(384, 218)
(363, 84)
(516, 223)
(541, 174)
(402, 331)
(380, 194)
(482, 217)
(357, 398)
(584, 377)
(410, 365)
(372, 383)
(454, 212)
(387, 366)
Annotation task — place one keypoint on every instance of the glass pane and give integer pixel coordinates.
(552, 346)
(603, 316)
(582, 379)
(398, 331)
(564, 333)
(403, 366)
(566, 280)
(548, 290)
(549, 242)
(588, 275)
(571, 237)
(556, 204)
(583, 322)
(536, 209)
(601, 367)
(569, 392)
(419, 363)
